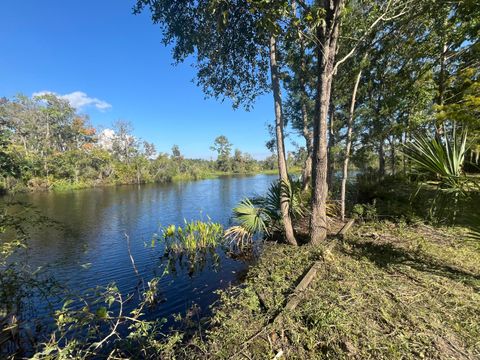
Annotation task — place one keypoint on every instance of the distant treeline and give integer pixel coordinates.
(46, 144)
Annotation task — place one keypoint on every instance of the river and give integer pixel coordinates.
(88, 247)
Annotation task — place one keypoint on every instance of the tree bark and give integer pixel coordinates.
(392, 155)
(282, 163)
(331, 142)
(307, 169)
(405, 140)
(404, 157)
(327, 35)
(381, 158)
(440, 126)
(348, 146)
(307, 134)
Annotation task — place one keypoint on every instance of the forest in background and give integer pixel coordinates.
(46, 145)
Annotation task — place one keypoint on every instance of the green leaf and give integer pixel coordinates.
(102, 312)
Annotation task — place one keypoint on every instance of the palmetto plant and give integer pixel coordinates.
(251, 219)
(475, 229)
(442, 161)
(291, 190)
(261, 215)
(252, 216)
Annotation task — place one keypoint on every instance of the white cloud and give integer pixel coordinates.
(79, 99)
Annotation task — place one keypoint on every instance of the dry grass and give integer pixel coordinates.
(387, 292)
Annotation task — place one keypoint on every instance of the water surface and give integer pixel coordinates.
(91, 249)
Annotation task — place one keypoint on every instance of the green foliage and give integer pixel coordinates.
(293, 191)
(252, 218)
(223, 148)
(194, 236)
(8, 163)
(19, 282)
(442, 160)
(261, 215)
(103, 328)
(365, 212)
(46, 145)
(192, 246)
(379, 294)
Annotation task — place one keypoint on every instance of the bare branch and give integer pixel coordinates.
(381, 18)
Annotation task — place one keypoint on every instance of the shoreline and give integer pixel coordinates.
(60, 186)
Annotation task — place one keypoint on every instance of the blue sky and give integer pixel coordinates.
(116, 59)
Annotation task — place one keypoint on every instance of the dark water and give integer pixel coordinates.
(94, 223)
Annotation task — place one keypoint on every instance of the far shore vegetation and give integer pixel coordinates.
(47, 145)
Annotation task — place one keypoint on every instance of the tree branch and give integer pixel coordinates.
(370, 28)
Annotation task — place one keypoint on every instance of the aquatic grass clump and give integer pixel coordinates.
(193, 245)
(193, 236)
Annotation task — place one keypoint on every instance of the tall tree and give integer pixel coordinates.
(282, 162)
(327, 34)
(223, 147)
(235, 45)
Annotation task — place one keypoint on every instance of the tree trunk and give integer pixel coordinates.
(327, 35)
(307, 169)
(331, 142)
(381, 159)
(348, 146)
(439, 126)
(392, 155)
(404, 157)
(282, 163)
(307, 134)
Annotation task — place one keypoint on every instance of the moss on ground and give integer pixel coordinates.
(388, 291)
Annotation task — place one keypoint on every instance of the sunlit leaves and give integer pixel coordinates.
(442, 159)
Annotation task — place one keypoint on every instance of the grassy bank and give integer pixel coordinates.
(67, 185)
(386, 292)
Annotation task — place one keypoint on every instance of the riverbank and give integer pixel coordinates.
(62, 185)
(388, 291)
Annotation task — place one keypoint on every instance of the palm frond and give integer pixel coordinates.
(252, 218)
(262, 215)
(441, 159)
(238, 235)
(293, 192)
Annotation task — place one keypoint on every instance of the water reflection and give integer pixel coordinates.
(95, 222)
